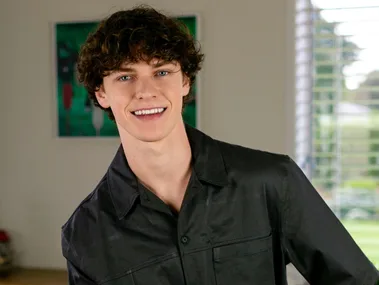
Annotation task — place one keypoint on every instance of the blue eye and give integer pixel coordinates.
(124, 78)
(162, 73)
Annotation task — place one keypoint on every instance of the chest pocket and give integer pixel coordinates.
(246, 262)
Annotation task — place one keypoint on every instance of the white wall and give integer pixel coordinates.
(244, 87)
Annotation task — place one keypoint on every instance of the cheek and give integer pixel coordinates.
(176, 90)
(119, 104)
(120, 97)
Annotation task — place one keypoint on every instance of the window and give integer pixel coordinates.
(337, 110)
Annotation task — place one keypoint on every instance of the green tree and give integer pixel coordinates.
(331, 54)
(368, 91)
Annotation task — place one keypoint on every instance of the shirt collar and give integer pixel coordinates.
(208, 164)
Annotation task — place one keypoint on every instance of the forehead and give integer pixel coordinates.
(154, 63)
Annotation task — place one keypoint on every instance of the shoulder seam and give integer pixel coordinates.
(86, 199)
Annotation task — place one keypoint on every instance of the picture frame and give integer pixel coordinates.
(76, 116)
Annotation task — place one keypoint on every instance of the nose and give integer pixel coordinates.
(145, 88)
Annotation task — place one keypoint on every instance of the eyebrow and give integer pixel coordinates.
(162, 63)
(156, 65)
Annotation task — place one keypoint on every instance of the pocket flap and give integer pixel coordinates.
(241, 248)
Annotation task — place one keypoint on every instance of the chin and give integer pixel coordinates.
(151, 137)
(148, 134)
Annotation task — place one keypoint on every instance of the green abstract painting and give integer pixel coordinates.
(77, 117)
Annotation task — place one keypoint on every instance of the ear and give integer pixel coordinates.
(186, 86)
(102, 98)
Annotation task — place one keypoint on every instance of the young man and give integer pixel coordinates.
(178, 207)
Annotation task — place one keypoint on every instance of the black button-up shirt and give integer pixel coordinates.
(246, 214)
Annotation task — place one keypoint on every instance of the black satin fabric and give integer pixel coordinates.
(246, 214)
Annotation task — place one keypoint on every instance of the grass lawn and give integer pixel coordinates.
(366, 235)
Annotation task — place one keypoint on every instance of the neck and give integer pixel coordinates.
(161, 166)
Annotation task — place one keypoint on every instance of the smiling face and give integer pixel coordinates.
(146, 98)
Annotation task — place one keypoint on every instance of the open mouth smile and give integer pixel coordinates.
(149, 113)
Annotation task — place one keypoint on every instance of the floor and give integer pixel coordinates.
(35, 277)
(51, 277)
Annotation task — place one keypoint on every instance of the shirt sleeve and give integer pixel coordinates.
(76, 277)
(314, 239)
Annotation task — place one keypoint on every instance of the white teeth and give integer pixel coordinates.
(149, 112)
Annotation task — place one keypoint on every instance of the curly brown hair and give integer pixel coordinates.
(138, 34)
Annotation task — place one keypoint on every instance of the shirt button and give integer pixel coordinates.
(184, 239)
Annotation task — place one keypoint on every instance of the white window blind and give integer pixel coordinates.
(337, 108)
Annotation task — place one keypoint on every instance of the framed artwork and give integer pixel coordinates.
(76, 115)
